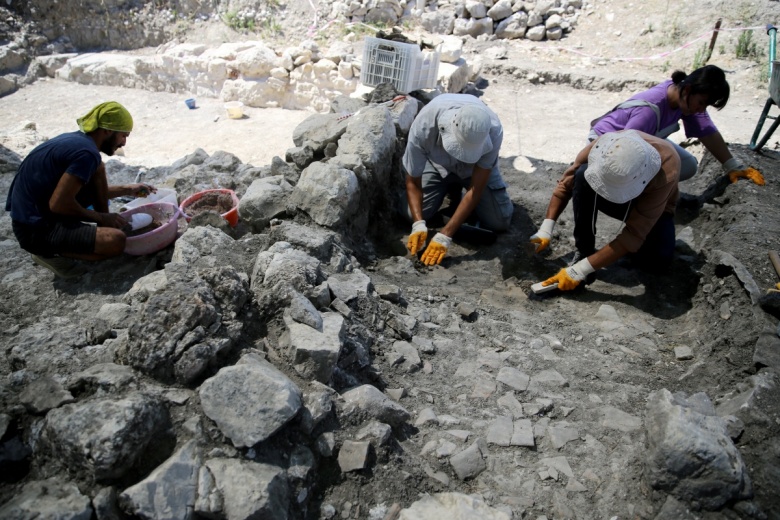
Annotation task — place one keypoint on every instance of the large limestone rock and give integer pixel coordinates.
(371, 136)
(473, 27)
(208, 247)
(265, 199)
(169, 492)
(451, 505)
(250, 401)
(348, 286)
(106, 438)
(242, 489)
(513, 26)
(690, 454)
(369, 400)
(50, 498)
(328, 194)
(282, 265)
(185, 328)
(314, 353)
(317, 242)
(319, 130)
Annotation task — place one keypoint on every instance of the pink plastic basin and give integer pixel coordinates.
(156, 239)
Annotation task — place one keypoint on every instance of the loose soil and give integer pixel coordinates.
(219, 203)
(146, 229)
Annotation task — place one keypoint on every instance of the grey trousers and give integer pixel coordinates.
(494, 211)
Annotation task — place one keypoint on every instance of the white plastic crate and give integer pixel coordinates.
(403, 64)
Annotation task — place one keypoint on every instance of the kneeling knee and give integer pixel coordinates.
(110, 242)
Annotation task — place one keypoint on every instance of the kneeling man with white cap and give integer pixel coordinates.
(627, 175)
(454, 143)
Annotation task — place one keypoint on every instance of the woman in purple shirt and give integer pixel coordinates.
(658, 110)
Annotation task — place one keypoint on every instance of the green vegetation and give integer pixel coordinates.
(238, 23)
(701, 57)
(746, 47)
(674, 33)
(271, 26)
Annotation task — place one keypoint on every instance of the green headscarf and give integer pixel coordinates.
(109, 115)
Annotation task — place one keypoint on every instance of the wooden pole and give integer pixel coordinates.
(775, 259)
(713, 39)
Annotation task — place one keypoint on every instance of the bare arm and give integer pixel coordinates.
(469, 201)
(716, 146)
(414, 195)
(63, 202)
(101, 189)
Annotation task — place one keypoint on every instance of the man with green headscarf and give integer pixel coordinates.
(61, 187)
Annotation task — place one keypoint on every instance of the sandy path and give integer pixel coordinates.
(541, 122)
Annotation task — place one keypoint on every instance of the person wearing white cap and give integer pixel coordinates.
(454, 142)
(630, 176)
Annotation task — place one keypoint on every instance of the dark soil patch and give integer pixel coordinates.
(146, 229)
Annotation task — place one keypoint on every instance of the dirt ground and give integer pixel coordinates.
(545, 124)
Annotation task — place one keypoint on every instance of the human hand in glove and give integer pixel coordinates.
(736, 169)
(437, 249)
(750, 173)
(570, 277)
(542, 237)
(417, 237)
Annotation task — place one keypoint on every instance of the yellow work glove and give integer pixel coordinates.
(570, 277)
(437, 249)
(417, 237)
(542, 237)
(736, 170)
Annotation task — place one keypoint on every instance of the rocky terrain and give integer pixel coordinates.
(302, 365)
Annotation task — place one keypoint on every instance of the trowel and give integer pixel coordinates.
(538, 288)
(140, 220)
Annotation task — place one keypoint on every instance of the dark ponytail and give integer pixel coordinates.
(708, 80)
(678, 76)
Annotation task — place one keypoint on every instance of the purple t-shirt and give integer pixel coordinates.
(643, 118)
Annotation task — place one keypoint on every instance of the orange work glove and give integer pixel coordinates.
(542, 237)
(417, 237)
(570, 277)
(437, 249)
(750, 173)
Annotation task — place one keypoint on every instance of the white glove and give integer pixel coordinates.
(580, 271)
(732, 164)
(542, 237)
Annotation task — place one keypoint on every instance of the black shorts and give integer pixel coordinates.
(52, 238)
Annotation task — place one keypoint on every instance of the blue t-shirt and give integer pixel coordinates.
(40, 172)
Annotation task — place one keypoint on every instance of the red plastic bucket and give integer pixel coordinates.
(231, 215)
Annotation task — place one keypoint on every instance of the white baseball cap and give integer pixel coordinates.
(620, 164)
(465, 132)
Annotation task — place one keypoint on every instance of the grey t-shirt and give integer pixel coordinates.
(424, 142)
